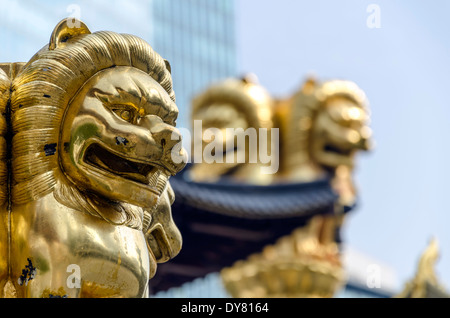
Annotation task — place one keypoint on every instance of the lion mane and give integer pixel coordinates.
(5, 85)
(306, 104)
(42, 92)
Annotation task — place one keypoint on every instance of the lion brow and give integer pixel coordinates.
(168, 113)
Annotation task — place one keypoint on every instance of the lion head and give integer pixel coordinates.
(340, 128)
(326, 124)
(241, 105)
(93, 117)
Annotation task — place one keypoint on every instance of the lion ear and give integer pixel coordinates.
(169, 68)
(65, 30)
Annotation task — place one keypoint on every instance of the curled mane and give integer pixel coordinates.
(5, 85)
(4, 90)
(44, 89)
(246, 97)
(306, 104)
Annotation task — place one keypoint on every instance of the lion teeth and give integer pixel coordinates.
(161, 183)
(153, 180)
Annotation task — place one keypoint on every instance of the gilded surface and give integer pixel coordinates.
(297, 265)
(322, 126)
(232, 104)
(4, 217)
(92, 119)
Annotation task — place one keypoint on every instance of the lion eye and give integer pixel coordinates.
(125, 114)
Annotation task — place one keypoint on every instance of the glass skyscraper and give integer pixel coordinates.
(197, 37)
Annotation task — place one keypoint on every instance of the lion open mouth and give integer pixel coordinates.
(144, 173)
(337, 150)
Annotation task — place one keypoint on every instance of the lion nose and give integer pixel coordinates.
(168, 137)
(366, 140)
(365, 144)
(170, 140)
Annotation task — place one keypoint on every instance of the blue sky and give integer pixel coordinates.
(404, 68)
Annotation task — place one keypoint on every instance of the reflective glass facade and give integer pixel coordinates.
(198, 38)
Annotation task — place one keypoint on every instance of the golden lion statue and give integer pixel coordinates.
(322, 125)
(93, 134)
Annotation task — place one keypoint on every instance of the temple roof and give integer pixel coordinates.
(255, 202)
